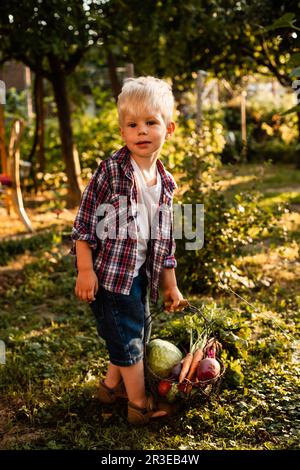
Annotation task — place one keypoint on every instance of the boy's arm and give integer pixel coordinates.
(168, 280)
(84, 233)
(87, 281)
(170, 290)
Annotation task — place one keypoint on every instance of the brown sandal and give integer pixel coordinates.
(110, 395)
(137, 415)
(170, 408)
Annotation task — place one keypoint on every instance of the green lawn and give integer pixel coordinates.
(54, 357)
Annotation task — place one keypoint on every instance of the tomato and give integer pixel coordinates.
(164, 387)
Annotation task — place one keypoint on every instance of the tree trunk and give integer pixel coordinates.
(66, 135)
(40, 113)
(114, 79)
(39, 131)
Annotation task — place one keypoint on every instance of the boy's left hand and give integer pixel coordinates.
(173, 295)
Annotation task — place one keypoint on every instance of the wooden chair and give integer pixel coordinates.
(10, 181)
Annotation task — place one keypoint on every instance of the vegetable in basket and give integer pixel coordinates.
(172, 394)
(162, 356)
(176, 370)
(194, 356)
(209, 368)
(163, 387)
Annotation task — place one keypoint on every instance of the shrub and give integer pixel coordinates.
(229, 225)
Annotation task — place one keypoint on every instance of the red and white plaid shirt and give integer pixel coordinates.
(114, 259)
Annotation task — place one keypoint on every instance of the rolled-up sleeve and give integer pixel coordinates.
(170, 260)
(85, 224)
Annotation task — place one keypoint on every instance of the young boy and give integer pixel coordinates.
(120, 255)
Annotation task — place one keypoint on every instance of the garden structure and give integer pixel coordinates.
(10, 178)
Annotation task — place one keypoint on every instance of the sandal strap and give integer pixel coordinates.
(137, 415)
(109, 395)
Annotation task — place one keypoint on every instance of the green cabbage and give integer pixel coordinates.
(162, 356)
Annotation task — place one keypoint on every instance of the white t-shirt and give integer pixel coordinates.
(148, 200)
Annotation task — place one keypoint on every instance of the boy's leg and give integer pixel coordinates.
(133, 378)
(113, 376)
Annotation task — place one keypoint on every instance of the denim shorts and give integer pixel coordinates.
(123, 321)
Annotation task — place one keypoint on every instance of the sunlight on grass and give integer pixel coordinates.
(280, 263)
(270, 200)
(223, 185)
(11, 225)
(269, 179)
(41, 332)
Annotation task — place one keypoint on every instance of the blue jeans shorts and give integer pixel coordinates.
(123, 321)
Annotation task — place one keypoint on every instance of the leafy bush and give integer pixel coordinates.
(97, 136)
(9, 249)
(229, 225)
(270, 135)
(275, 150)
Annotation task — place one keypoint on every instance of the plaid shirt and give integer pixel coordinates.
(114, 259)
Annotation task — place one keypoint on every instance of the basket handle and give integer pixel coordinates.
(186, 306)
(182, 303)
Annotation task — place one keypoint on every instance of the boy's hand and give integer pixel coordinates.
(174, 296)
(86, 285)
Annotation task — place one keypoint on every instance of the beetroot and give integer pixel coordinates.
(209, 368)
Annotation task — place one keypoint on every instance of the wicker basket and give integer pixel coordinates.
(187, 390)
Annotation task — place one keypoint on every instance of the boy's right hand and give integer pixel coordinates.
(86, 285)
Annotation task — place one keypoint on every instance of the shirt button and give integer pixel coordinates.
(130, 269)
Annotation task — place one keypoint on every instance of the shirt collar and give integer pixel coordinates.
(123, 158)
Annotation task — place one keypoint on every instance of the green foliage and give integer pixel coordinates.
(43, 38)
(97, 137)
(228, 325)
(10, 248)
(270, 134)
(228, 224)
(274, 150)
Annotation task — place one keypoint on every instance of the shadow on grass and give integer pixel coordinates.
(77, 420)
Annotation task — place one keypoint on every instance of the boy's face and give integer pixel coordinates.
(145, 133)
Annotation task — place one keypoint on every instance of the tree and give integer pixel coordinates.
(51, 37)
(227, 38)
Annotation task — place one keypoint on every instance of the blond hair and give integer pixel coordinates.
(143, 92)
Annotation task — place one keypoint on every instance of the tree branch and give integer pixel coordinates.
(74, 60)
(283, 79)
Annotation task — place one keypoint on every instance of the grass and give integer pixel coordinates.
(54, 358)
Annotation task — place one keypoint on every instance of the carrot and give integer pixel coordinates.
(185, 366)
(198, 355)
